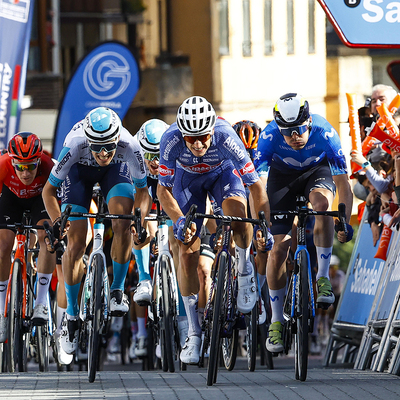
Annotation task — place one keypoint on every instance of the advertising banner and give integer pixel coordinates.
(108, 76)
(15, 31)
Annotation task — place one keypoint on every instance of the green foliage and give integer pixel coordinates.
(344, 250)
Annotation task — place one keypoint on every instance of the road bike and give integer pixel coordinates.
(20, 295)
(95, 300)
(221, 316)
(299, 304)
(164, 308)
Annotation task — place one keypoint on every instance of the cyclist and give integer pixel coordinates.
(97, 150)
(303, 155)
(202, 154)
(23, 173)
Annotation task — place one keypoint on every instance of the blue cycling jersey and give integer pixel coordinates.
(323, 143)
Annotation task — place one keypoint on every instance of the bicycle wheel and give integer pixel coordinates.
(167, 319)
(251, 337)
(301, 344)
(15, 341)
(217, 321)
(42, 345)
(95, 311)
(229, 350)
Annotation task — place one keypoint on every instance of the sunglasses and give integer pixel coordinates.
(152, 156)
(194, 139)
(25, 167)
(298, 130)
(98, 147)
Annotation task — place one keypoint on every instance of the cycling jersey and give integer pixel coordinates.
(76, 151)
(323, 143)
(9, 178)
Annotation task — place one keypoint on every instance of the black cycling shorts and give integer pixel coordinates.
(12, 208)
(282, 190)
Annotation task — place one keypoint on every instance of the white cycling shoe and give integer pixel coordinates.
(119, 303)
(69, 335)
(190, 353)
(62, 356)
(142, 295)
(247, 293)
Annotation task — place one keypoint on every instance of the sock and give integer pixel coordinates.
(3, 295)
(324, 259)
(261, 279)
(181, 306)
(277, 297)
(190, 303)
(72, 293)
(200, 312)
(142, 331)
(243, 260)
(119, 272)
(42, 288)
(60, 313)
(142, 258)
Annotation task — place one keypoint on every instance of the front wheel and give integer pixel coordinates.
(42, 343)
(302, 320)
(251, 337)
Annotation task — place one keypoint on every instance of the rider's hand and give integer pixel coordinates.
(342, 237)
(178, 227)
(263, 244)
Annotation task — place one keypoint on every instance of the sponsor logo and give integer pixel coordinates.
(247, 169)
(17, 10)
(200, 168)
(233, 147)
(366, 280)
(265, 136)
(6, 75)
(164, 171)
(43, 280)
(325, 256)
(63, 162)
(330, 134)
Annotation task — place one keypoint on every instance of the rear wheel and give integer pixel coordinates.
(251, 337)
(95, 312)
(302, 321)
(42, 342)
(167, 321)
(217, 321)
(229, 350)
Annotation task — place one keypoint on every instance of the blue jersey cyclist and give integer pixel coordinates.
(302, 154)
(202, 154)
(96, 150)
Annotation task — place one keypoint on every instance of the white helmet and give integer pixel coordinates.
(196, 116)
(291, 110)
(149, 135)
(102, 125)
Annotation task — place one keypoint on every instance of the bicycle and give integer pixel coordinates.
(299, 304)
(164, 308)
(95, 300)
(220, 314)
(20, 295)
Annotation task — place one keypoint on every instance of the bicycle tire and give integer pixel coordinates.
(15, 341)
(95, 311)
(167, 321)
(301, 346)
(212, 369)
(42, 345)
(251, 337)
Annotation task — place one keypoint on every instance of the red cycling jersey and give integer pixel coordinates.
(9, 178)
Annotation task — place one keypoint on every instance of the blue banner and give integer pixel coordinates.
(365, 23)
(363, 279)
(108, 76)
(15, 31)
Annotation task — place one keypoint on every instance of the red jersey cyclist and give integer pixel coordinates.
(24, 170)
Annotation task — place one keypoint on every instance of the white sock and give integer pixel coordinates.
(190, 303)
(244, 265)
(323, 260)
(277, 297)
(142, 331)
(43, 283)
(3, 295)
(60, 313)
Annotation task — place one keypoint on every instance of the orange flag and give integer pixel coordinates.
(384, 243)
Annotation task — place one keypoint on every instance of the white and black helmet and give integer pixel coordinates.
(196, 116)
(102, 125)
(149, 135)
(291, 110)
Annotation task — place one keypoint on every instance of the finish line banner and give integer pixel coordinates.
(15, 31)
(106, 77)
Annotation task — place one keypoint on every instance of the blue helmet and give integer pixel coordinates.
(149, 135)
(102, 125)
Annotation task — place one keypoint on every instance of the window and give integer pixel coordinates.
(290, 27)
(246, 44)
(223, 27)
(267, 27)
(311, 26)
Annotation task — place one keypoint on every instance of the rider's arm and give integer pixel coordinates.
(49, 195)
(143, 200)
(168, 202)
(259, 199)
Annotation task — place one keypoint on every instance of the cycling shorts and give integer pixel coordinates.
(77, 188)
(12, 208)
(221, 183)
(282, 196)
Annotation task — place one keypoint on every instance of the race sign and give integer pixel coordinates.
(365, 23)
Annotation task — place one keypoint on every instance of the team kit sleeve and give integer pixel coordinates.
(263, 155)
(137, 167)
